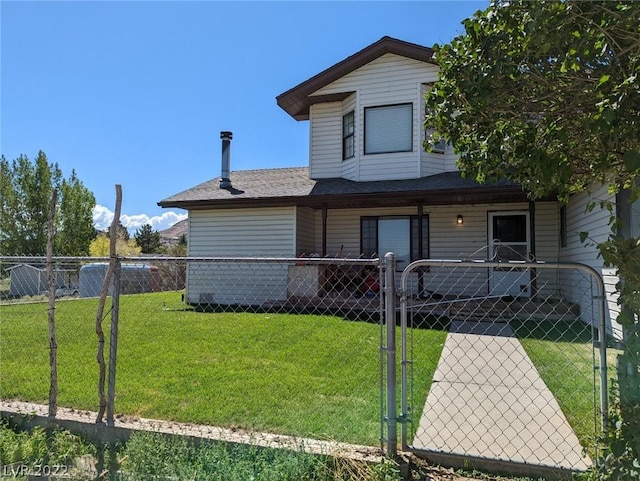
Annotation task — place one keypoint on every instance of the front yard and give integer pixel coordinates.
(304, 375)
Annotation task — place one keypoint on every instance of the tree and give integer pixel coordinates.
(75, 222)
(99, 247)
(25, 202)
(547, 94)
(149, 240)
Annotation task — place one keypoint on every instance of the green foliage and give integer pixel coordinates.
(547, 94)
(154, 456)
(176, 250)
(149, 240)
(544, 93)
(620, 456)
(38, 446)
(25, 202)
(75, 220)
(99, 247)
(624, 254)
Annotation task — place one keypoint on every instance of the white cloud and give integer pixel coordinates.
(103, 216)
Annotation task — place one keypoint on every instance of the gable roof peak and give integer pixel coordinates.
(296, 101)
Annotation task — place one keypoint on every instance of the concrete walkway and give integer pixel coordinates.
(488, 403)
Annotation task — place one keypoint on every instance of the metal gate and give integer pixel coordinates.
(498, 380)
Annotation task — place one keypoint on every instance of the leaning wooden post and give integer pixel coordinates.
(113, 344)
(113, 234)
(53, 346)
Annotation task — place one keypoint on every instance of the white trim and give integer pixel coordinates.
(509, 282)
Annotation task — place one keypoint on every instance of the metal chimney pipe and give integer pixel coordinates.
(225, 181)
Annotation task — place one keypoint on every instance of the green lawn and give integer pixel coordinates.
(563, 355)
(305, 375)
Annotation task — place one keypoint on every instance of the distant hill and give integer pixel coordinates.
(173, 234)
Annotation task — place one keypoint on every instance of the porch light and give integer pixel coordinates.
(460, 220)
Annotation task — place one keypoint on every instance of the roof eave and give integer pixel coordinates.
(460, 196)
(296, 101)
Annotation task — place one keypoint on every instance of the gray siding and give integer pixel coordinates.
(268, 232)
(326, 140)
(390, 79)
(449, 241)
(596, 223)
(305, 231)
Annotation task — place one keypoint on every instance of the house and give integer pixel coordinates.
(370, 188)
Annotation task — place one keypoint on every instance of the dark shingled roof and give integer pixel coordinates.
(292, 186)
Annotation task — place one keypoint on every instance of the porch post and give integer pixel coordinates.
(324, 230)
(420, 252)
(532, 235)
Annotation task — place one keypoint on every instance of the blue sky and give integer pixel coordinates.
(136, 93)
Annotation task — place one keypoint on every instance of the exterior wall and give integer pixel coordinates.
(388, 80)
(430, 162)
(239, 233)
(305, 231)
(450, 241)
(596, 223)
(326, 140)
(134, 279)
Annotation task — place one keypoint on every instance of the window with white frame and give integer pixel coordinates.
(437, 147)
(388, 129)
(348, 135)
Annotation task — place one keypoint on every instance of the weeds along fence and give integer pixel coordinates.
(285, 346)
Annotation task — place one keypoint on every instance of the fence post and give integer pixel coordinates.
(113, 343)
(390, 317)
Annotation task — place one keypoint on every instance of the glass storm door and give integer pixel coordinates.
(509, 240)
(393, 236)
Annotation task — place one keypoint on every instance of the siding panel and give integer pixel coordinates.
(449, 241)
(239, 233)
(390, 79)
(326, 140)
(596, 223)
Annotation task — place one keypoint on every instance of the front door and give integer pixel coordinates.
(509, 240)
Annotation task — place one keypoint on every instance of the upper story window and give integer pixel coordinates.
(348, 136)
(439, 147)
(388, 129)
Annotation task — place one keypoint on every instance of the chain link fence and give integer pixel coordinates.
(495, 361)
(284, 346)
(521, 376)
